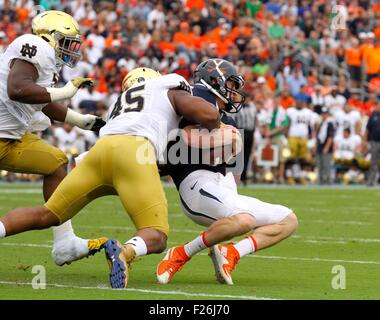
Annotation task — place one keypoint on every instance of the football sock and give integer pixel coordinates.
(246, 246)
(198, 244)
(63, 231)
(2, 230)
(139, 245)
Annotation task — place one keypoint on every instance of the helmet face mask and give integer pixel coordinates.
(221, 78)
(68, 49)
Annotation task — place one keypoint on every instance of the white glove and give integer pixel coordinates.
(69, 90)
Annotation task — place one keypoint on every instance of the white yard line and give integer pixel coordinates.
(160, 292)
(21, 191)
(349, 222)
(334, 239)
(255, 256)
(31, 245)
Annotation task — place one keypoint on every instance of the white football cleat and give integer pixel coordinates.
(74, 248)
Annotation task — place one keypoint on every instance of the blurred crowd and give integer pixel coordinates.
(312, 71)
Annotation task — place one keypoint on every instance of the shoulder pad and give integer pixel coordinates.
(33, 49)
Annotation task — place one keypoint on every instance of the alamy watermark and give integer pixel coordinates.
(39, 280)
(338, 281)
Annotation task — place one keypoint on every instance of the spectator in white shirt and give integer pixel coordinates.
(156, 18)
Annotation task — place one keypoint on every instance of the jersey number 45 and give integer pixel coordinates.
(129, 101)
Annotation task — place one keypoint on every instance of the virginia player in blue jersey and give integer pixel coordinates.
(208, 192)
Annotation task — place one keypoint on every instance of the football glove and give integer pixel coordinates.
(84, 121)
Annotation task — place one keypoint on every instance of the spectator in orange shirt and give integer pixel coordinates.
(372, 60)
(370, 104)
(22, 13)
(216, 32)
(197, 35)
(356, 102)
(184, 36)
(374, 85)
(366, 42)
(354, 10)
(183, 69)
(192, 4)
(286, 100)
(167, 45)
(222, 43)
(353, 56)
(377, 28)
(242, 29)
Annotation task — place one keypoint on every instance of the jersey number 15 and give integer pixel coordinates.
(129, 101)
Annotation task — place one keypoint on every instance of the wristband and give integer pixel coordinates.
(74, 118)
(57, 94)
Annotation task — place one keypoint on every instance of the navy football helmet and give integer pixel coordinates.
(222, 79)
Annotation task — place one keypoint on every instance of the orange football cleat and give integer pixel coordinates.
(173, 262)
(225, 259)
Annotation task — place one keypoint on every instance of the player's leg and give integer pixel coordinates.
(82, 185)
(70, 197)
(210, 200)
(305, 158)
(293, 147)
(24, 219)
(274, 223)
(33, 155)
(138, 185)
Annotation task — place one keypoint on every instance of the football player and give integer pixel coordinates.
(347, 117)
(123, 162)
(28, 71)
(209, 196)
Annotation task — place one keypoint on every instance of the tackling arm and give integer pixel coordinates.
(204, 139)
(21, 85)
(195, 109)
(61, 113)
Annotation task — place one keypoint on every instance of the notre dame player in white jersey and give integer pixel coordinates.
(123, 162)
(28, 71)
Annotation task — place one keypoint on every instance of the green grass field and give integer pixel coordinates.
(337, 227)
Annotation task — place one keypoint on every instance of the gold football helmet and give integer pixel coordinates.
(138, 75)
(61, 31)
